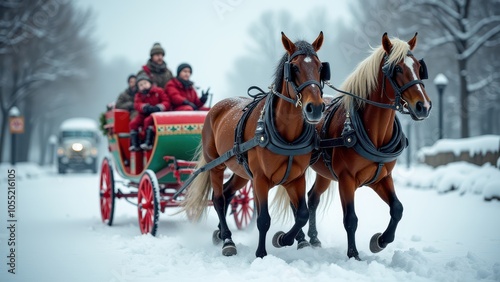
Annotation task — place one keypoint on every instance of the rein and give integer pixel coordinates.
(266, 136)
(398, 93)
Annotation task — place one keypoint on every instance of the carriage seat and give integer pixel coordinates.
(117, 121)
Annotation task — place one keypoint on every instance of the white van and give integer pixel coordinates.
(78, 143)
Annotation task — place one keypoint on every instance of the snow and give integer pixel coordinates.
(441, 79)
(79, 123)
(474, 145)
(466, 178)
(442, 237)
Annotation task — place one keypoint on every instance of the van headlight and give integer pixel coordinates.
(77, 147)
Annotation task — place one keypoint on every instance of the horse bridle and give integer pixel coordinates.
(289, 80)
(387, 70)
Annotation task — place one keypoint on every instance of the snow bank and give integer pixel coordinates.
(474, 145)
(466, 178)
(23, 170)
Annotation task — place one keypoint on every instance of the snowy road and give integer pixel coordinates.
(59, 237)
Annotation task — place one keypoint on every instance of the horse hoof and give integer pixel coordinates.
(229, 249)
(216, 239)
(303, 244)
(374, 246)
(276, 239)
(315, 242)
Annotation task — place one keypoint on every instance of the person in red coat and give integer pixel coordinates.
(147, 100)
(182, 94)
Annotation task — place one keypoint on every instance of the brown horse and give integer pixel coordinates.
(283, 151)
(361, 136)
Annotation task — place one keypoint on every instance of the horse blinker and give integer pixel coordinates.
(423, 70)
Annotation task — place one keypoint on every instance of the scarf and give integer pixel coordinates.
(132, 91)
(156, 68)
(186, 83)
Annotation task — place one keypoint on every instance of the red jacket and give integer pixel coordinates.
(155, 97)
(177, 93)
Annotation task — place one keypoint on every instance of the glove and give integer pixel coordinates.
(147, 109)
(155, 109)
(204, 95)
(186, 102)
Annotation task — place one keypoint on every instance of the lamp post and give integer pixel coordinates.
(441, 82)
(16, 126)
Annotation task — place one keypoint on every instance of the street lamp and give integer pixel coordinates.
(441, 82)
(16, 125)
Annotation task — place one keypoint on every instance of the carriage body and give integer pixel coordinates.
(155, 176)
(176, 139)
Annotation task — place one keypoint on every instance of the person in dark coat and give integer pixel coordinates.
(148, 100)
(156, 68)
(125, 100)
(182, 94)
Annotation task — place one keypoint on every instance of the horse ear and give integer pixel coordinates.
(318, 42)
(289, 46)
(413, 42)
(386, 43)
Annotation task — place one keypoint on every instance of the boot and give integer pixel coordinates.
(134, 141)
(148, 144)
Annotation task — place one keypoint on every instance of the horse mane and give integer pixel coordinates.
(364, 79)
(279, 73)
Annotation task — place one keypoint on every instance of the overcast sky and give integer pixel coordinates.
(207, 34)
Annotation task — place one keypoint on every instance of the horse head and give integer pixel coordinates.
(405, 74)
(303, 70)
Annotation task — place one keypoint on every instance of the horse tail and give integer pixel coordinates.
(281, 207)
(327, 198)
(281, 202)
(198, 192)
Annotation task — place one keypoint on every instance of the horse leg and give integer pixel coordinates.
(261, 190)
(296, 191)
(301, 237)
(321, 184)
(229, 188)
(228, 247)
(385, 189)
(346, 191)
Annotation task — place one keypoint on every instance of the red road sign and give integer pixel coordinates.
(16, 125)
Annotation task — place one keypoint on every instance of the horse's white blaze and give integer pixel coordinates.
(308, 59)
(409, 63)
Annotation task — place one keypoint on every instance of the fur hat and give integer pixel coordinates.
(183, 66)
(157, 49)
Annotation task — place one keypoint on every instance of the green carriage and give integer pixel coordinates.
(155, 176)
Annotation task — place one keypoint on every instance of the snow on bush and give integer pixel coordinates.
(474, 145)
(466, 178)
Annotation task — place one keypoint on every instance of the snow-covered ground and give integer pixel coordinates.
(442, 237)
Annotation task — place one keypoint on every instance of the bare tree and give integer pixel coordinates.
(468, 26)
(41, 43)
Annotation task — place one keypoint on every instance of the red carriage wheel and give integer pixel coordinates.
(107, 192)
(148, 205)
(243, 207)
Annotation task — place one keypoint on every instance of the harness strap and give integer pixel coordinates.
(221, 159)
(377, 173)
(288, 168)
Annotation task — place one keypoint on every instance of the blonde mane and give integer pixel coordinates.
(364, 79)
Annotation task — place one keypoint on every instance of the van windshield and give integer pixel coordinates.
(78, 134)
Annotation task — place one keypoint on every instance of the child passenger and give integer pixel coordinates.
(147, 100)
